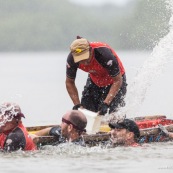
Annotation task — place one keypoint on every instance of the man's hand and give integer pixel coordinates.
(103, 108)
(76, 107)
(163, 130)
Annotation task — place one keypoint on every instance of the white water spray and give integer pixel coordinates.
(158, 60)
(7, 113)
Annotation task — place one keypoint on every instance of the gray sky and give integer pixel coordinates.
(100, 2)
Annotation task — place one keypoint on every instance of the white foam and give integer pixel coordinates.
(160, 57)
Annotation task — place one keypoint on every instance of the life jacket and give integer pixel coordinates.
(2, 140)
(30, 145)
(99, 74)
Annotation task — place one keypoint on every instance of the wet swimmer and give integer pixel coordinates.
(105, 88)
(124, 133)
(13, 134)
(71, 129)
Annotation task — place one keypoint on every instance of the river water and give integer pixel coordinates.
(36, 81)
(152, 158)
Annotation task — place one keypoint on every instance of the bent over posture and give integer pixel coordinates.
(106, 84)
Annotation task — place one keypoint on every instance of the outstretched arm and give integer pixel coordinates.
(43, 132)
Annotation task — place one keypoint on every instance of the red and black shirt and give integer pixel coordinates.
(104, 65)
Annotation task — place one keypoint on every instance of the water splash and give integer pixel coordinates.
(161, 55)
(7, 112)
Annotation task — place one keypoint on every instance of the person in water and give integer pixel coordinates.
(13, 134)
(72, 127)
(105, 88)
(124, 133)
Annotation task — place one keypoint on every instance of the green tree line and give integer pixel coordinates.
(51, 25)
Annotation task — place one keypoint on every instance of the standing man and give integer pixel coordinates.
(106, 84)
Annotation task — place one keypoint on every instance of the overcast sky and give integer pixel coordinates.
(100, 2)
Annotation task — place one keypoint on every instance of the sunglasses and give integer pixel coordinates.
(69, 122)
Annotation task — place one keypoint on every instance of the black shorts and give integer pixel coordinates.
(93, 96)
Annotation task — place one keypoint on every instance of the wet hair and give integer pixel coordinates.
(78, 119)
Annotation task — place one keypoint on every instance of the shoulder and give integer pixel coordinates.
(102, 49)
(71, 67)
(18, 132)
(105, 57)
(55, 131)
(70, 60)
(15, 140)
(104, 54)
(70, 57)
